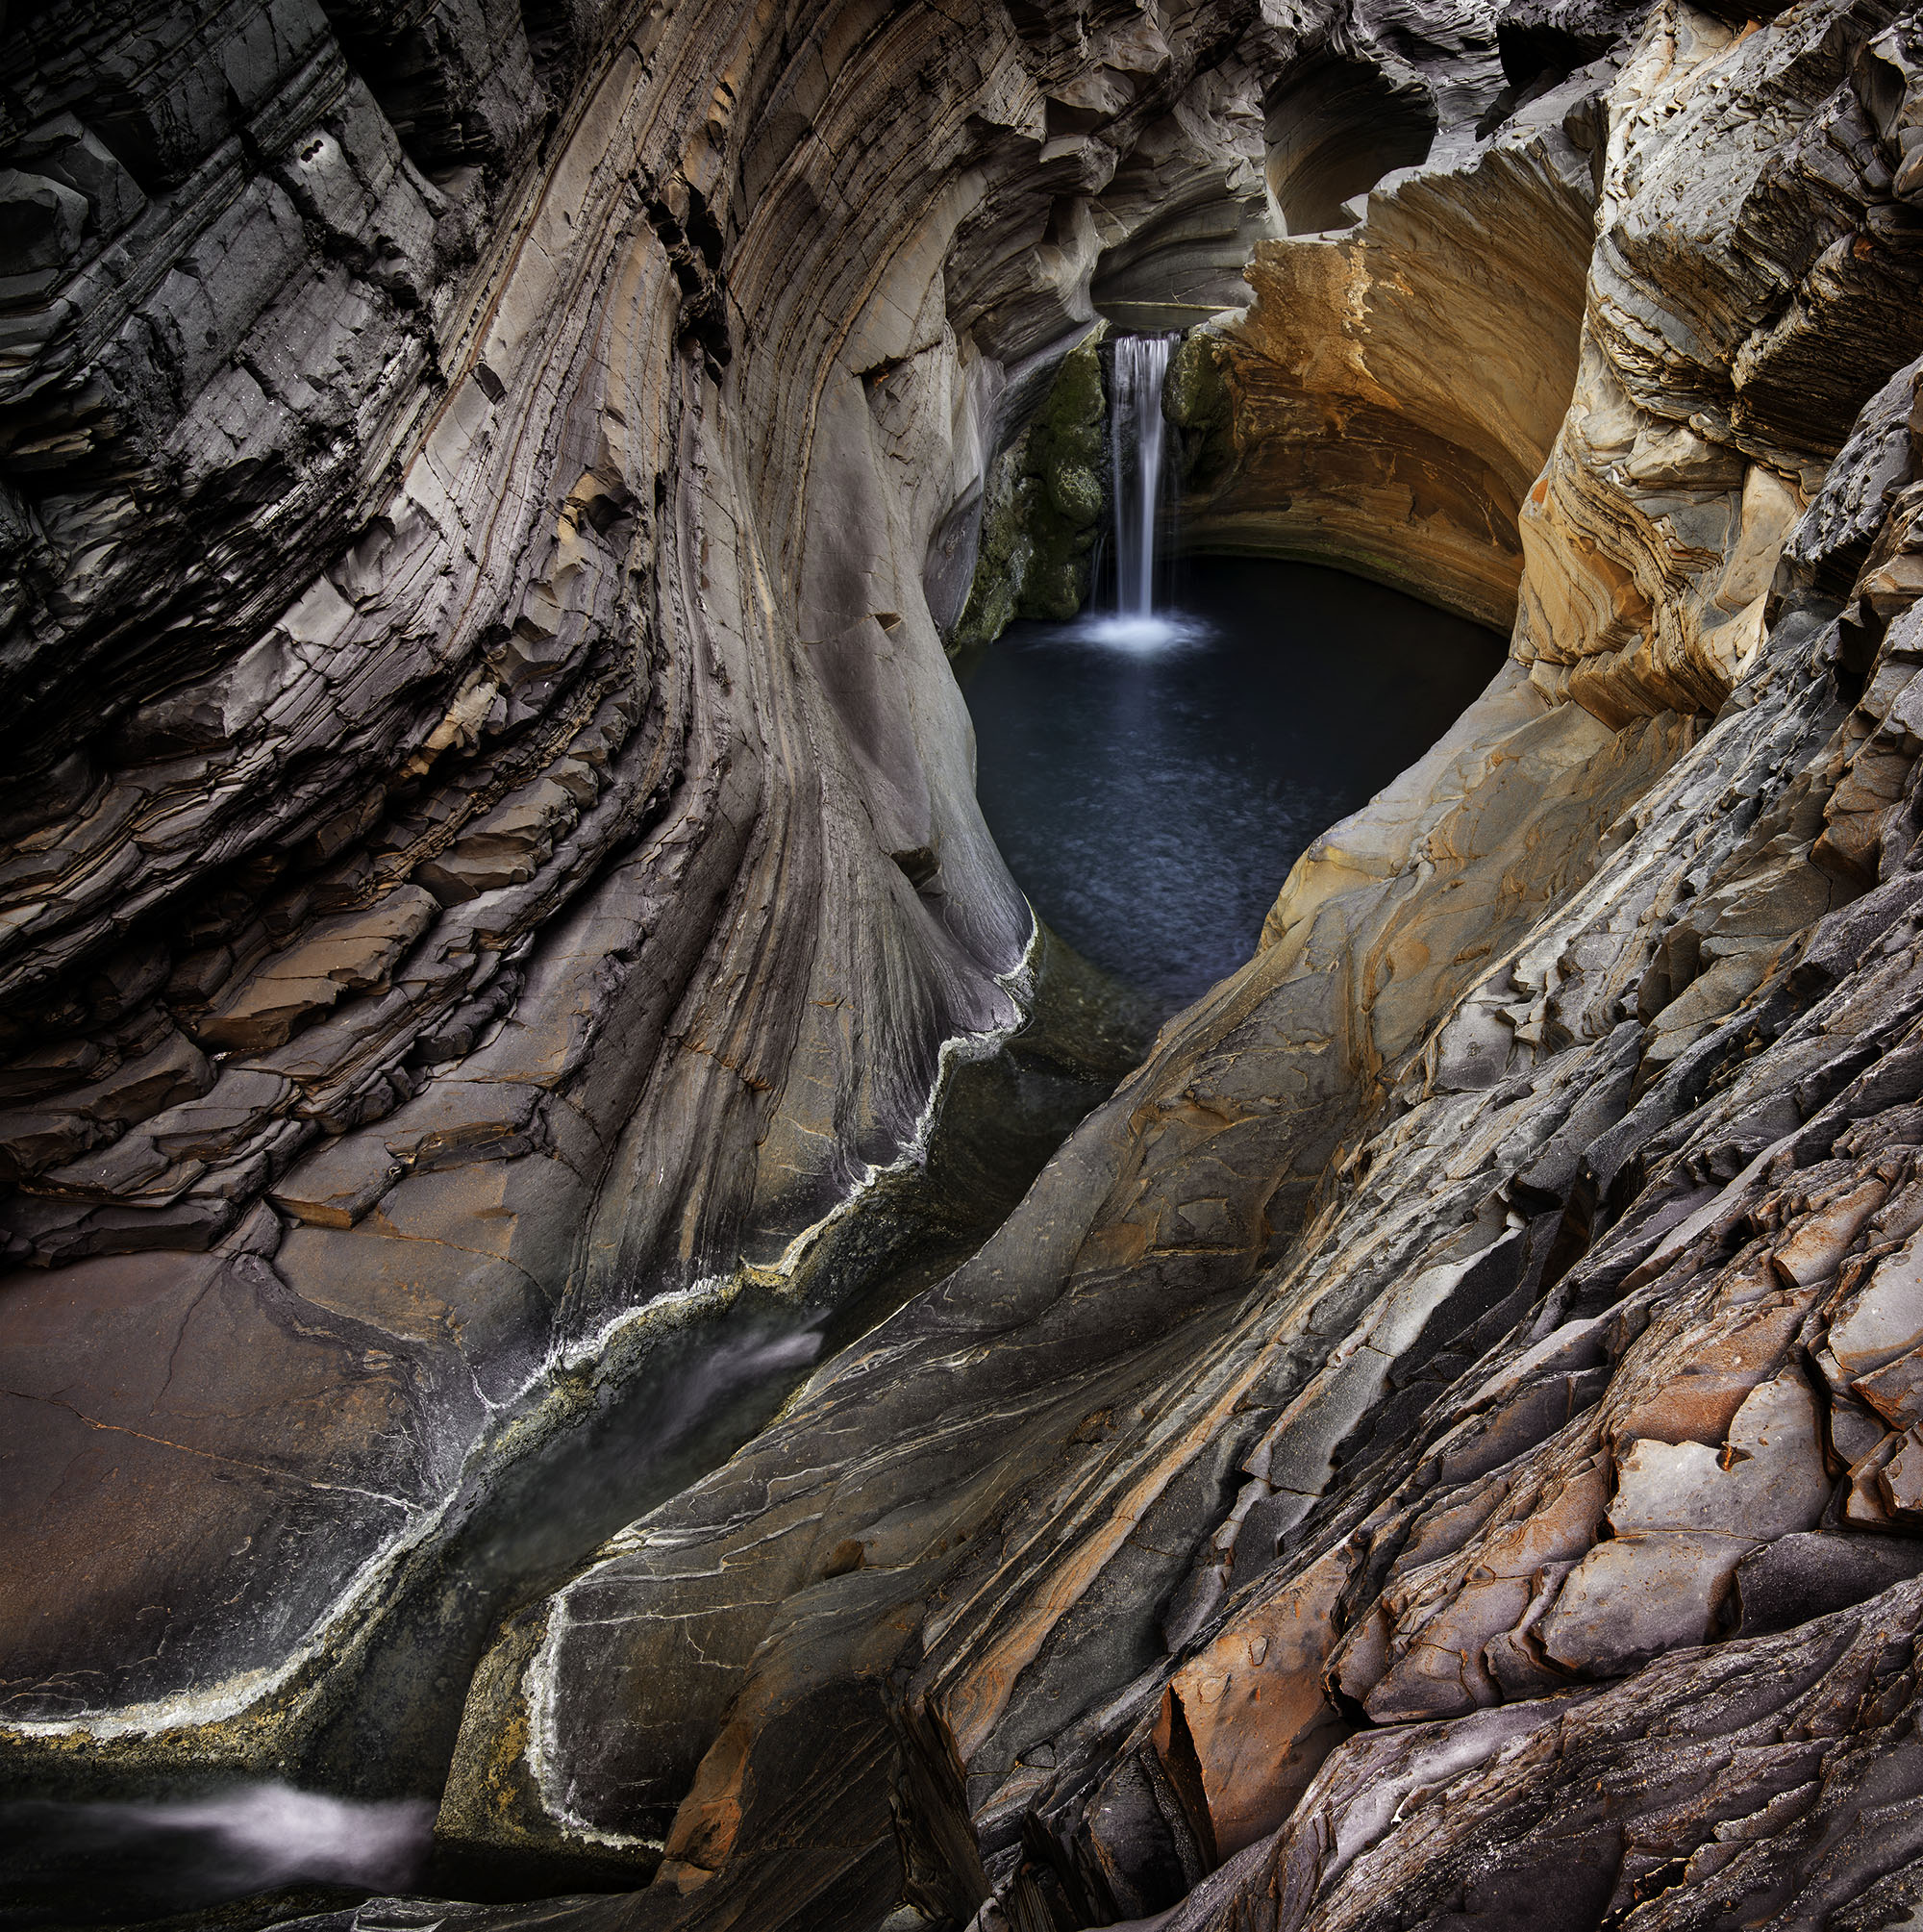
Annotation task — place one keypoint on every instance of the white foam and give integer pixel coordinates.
(269, 1834)
(1142, 635)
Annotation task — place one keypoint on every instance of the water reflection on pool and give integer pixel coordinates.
(1151, 782)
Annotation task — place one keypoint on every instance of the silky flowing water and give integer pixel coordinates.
(1151, 788)
(1137, 445)
(355, 1812)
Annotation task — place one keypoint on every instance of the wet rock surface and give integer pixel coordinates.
(490, 848)
(1437, 1323)
(496, 856)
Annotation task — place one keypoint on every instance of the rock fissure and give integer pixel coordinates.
(512, 1015)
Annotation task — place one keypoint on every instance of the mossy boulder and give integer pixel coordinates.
(1043, 502)
(1195, 399)
(1075, 492)
(1004, 550)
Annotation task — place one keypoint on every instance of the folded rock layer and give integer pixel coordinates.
(1445, 1440)
(1436, 1323)
(493, 852)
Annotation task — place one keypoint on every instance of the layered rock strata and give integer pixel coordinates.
(1444, 1420)
(491, 855)
(1441, 1442)
(1390, 398)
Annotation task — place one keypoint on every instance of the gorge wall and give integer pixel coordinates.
(495, 869)
(492, 843)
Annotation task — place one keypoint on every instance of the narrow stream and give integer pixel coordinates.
(1150, 773)
(352, 1812)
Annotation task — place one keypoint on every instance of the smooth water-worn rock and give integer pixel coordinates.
(1496, 1205)
(491, 854)
(1389, 399)
(497, 862)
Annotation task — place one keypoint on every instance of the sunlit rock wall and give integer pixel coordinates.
(1390, 397)
(1700, 425)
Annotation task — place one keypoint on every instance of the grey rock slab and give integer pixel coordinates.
(1770, 1480)
(1812, 1573)
(1640, 1594)
(1884, 1318)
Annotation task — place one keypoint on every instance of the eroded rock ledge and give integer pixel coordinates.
(1463, 1310)
(491, 845)
(1450, 1419)
(1392, 396)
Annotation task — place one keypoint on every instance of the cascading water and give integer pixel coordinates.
(1135, 447)
(1152, 771)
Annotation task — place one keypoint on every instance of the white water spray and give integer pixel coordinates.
(122, 1860)
(1136, 447)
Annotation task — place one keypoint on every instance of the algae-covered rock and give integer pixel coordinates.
(1004, 551)
(1042, 503)
(1075, 493)
(1065, 444)
(1195, 399)
(1057, 585)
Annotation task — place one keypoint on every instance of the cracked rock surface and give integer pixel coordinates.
(494, 861)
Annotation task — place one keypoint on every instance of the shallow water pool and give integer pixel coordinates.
(1149, 788)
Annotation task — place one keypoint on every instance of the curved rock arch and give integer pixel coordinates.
(1336, 123)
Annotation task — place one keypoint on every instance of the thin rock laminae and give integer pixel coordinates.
(496, 856)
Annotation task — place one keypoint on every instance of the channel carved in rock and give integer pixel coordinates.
(495, 872)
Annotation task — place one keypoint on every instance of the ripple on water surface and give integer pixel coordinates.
(1150, 781)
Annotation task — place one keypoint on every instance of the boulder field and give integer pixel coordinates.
(495, 927)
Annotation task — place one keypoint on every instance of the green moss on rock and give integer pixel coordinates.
(1075, 493)
(1043, 502)
(1195, 398)
(1004, 551)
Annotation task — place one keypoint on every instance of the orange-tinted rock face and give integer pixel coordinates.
(1256, 1709)
(493, 869)
(1392, 394)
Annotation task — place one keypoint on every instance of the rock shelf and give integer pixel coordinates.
(492, 870)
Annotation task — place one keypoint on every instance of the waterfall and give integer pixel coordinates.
(1136, 446)
(1137, 459)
